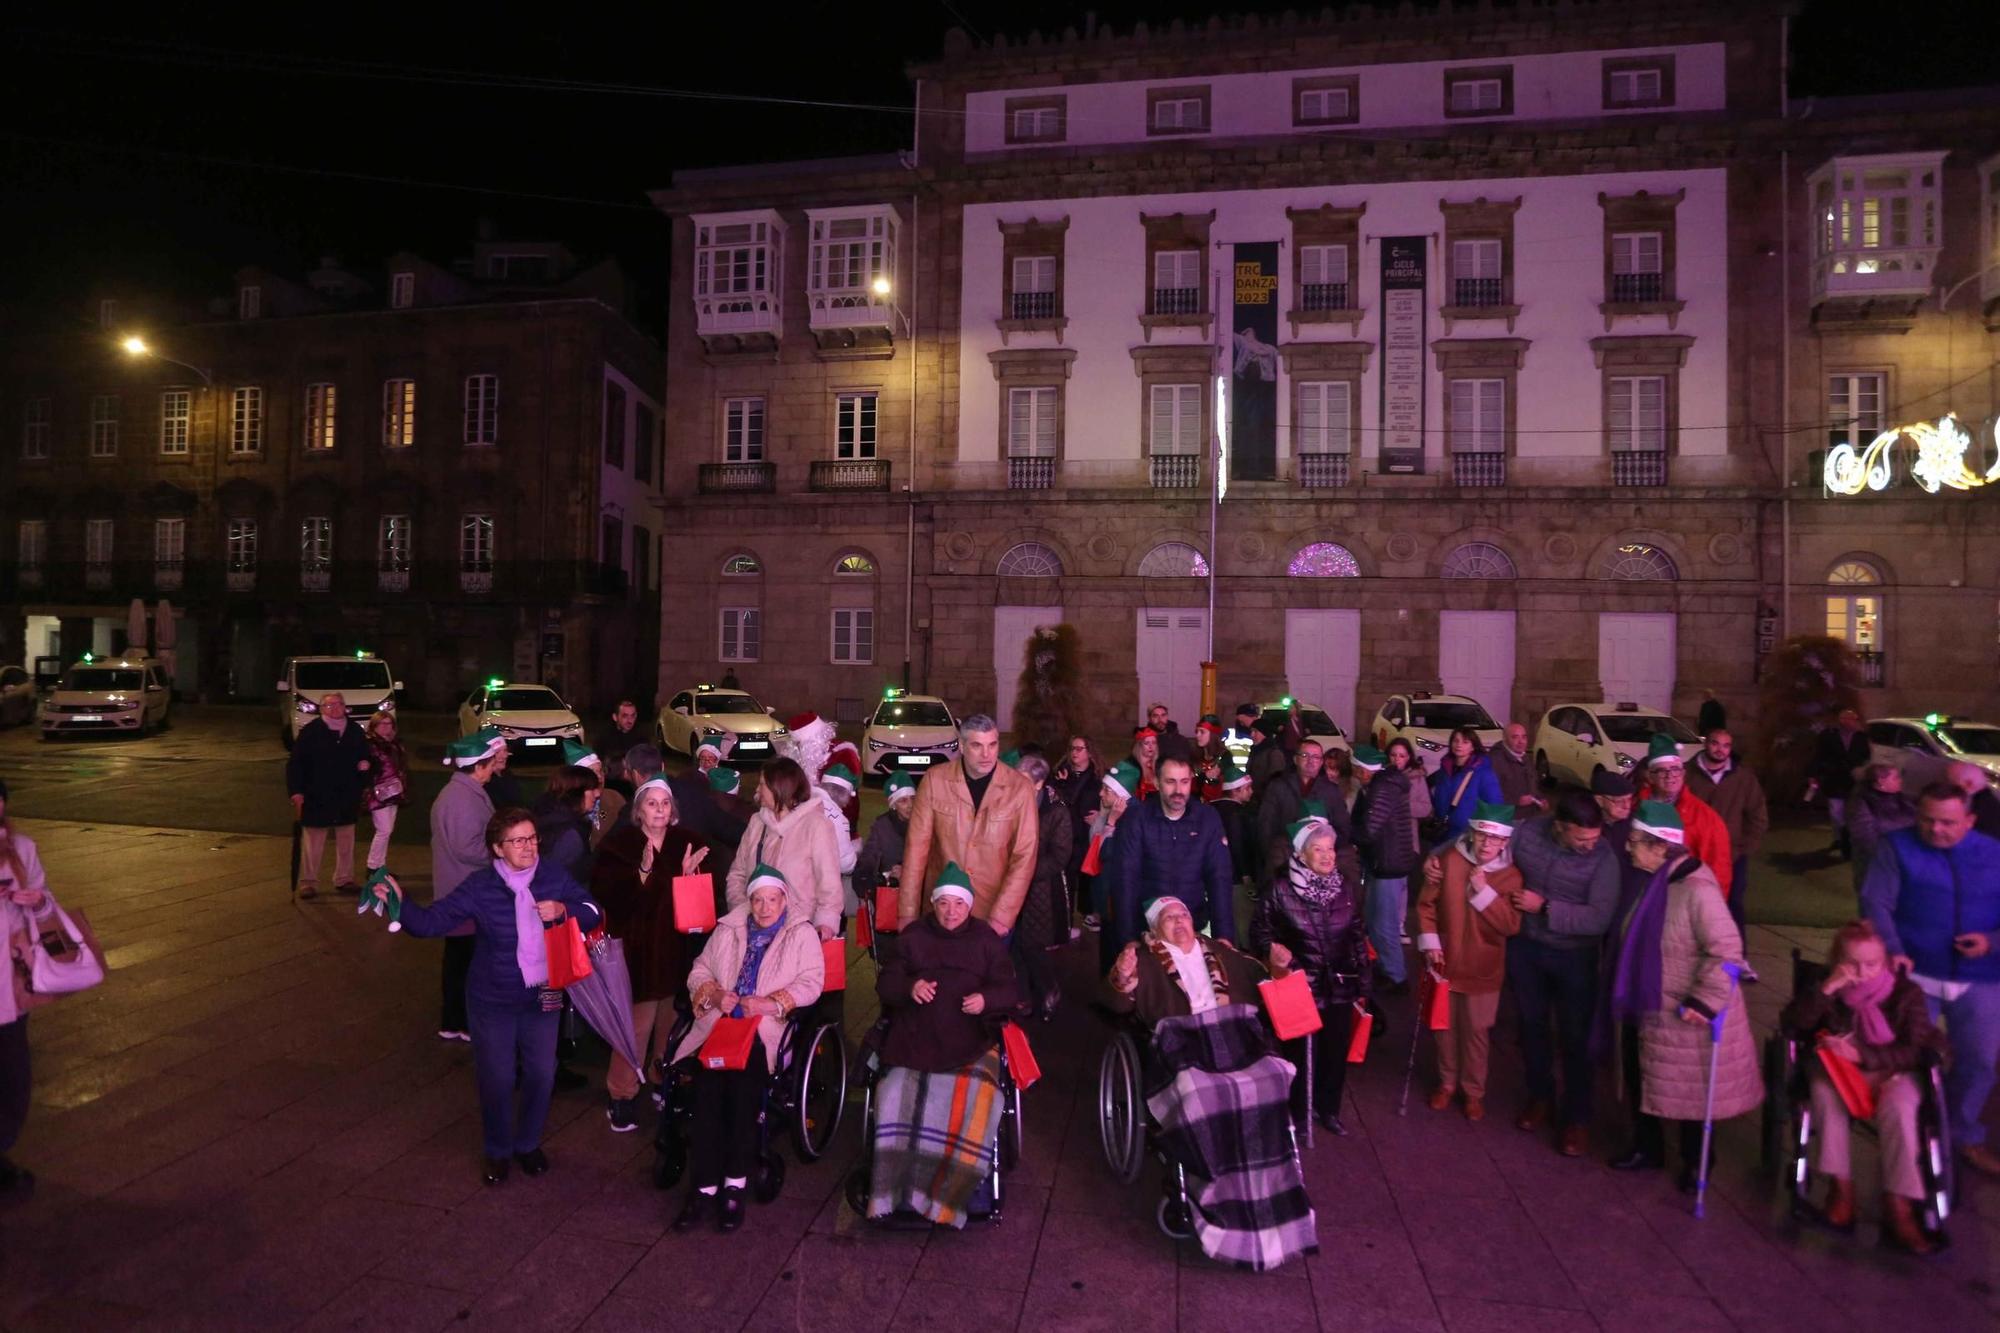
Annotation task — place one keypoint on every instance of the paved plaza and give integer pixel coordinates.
(252, 1125)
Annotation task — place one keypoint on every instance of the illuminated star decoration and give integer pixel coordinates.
(1940, 464)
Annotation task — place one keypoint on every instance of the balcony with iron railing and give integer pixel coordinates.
(475, 581)
(1322, 471)
(315, 577)
(1176, 301)
(1638, 288)
(758, 478)
(1035, 305)
(240, 580)
(848, 474)
(1638, 467)
(1870, 667)
(1175, 471)
(1317, 296)
(1479, 469)
(1031, 474)
(392, 580)
(1478, 293)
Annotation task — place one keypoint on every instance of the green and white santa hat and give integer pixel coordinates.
(1312, 818)
(469, 750)
(1124, 779)
(1368, 758)
(840, 775)
(952, 882)
(578, 755)
(765, 877)
(1011, 758)
(1661, 821)
(1663, 751)
(1494, 818)
(657, 781)
(899, 787)
(724, 781)
(1159, 907)
(710, 747)
(1232, 777)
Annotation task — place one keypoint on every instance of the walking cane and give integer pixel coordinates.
(1416, 1035)
(1735, 971)
(298, 834)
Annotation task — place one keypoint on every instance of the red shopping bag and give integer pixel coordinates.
(569, 961)
(864, 934)
(885, 907)
(1357, 1044)
(1289, 1002)
(1437, 1004)
(694, 903)
(835, 950)
(1021, 1060)
(1093, 860)
(1855, 1091)
(728, 1044)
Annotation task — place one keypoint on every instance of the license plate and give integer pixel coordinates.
(753, 745)
(541, 740)
(914, 760)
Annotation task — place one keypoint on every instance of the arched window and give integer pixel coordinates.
(1030, 560)
(1639, 562)
(1324, 560)
(1477, 560)
(1854, 613)
(1173, 560)
(854, 563)
(742, 566)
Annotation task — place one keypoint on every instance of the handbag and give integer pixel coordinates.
(569, 960)
(1021, 1062)
(728, 1043)
(1289, 1003)
(835, 951)
(694, 903)
(61, 958)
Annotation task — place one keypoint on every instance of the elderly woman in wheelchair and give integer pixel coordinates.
(1216, 1096)
(1864, 1038)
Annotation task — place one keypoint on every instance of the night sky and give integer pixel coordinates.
(162, 148)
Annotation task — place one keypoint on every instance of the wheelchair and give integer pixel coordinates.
(1789, 1121)
(806, 1098)
(1003, 1153)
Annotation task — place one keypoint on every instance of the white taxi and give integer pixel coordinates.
(1318, 726)
(1574, 741)
(363, 680)
(1922, 746)
(910, 733)
(1426, 721)
(126, 695)
(706, 713)
(532, 719)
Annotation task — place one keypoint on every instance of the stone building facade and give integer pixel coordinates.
(454, 467)
(1552, 332)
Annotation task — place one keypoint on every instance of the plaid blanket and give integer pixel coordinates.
(933, 1137)
(1222, 1102)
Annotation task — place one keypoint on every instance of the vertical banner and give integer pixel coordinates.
(1253, 364)
(1403, 338)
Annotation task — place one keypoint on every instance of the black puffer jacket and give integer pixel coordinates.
(1329, 944)
(1384, 825)
(1079, 792)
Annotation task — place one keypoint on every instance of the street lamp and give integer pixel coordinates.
(134, 345)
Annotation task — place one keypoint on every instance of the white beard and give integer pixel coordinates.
(814, 744)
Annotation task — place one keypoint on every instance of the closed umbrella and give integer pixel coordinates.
(135, 627)
(604, 998)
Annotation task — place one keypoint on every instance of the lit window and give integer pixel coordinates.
(742, 566)
(1639, 562)
(321, 405)
(399, 413)
(176, 407)
(1324, 560)
(246, 421)
(854, 564)
(1854, 607)
(1173, 560)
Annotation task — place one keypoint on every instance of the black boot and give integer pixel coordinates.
(695, 1211)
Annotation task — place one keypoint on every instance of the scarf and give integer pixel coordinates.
(1217, 978)
(1865, 999)
(1635, 989)
(1500, 861)
(1319, 890)
(531, 954)
(757, 939)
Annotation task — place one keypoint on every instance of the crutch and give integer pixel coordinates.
(1735, 971)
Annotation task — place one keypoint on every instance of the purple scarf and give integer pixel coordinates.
(1865, 999)
(1635, 989)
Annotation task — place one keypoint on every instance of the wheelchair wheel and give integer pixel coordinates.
(1934, 1155)
(1121, 1126)
(822, 1093)
(1176, 1218)
(769, 1176)
(1012, 1129)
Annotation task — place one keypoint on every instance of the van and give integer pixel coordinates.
(363, 680)
(126, 695)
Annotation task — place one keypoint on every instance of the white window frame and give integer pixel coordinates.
(475, 544)
(1481, 404)
(1033, 416)
(1634, 252)
(1477, 257)
(1629, 87)
(32, 548)
(399, 413)
(100, 538)
(246, 420)
(322, 416)
(736, 257)
(739, 634)
(857, 416)
(852, 641)
(1632, 423)
(402, 290)
(37, 418)
(1176, 270)
(1877, 214)
(1851, 418)
(850, 249)
(104, 410)
(239, 546)
(1174, 419)
(1319, 264)
(1034, 274)
(316, 544)
(1035, 124)
(249, 301)
(482, 410)
(176, 420)
(1325, 423)
(1180, 113)
(395, 544)
(1466, 95)
(1323, 105)
(169, 542)
(743, 429)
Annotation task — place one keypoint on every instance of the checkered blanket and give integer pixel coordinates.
(1222, 1102)
(933, 1136)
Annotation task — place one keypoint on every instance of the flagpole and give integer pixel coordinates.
(1216, 460)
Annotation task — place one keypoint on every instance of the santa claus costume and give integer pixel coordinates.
(818, 749)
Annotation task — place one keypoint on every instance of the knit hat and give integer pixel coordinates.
(1661, 820)
(724, 781)
(899, 787)
(1232, 776)
(577, 754)
(1368, 757)
(1011, 758)
(952, 882)
(1252, 709)
(1662, 751)
(1494, 818)
(469, 750)
(800, 721)
(838, 774)
(1123, 779)
(1312, 818)
(1158, 908)
(1606, 783)
(765, 876)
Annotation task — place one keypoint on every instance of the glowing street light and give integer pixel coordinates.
(134, 345)
(882, 286)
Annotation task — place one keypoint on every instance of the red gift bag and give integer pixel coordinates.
(1021, 1060)
(569, 961)
(1357, 1044)
(835, 950)
(1289, 1002)
(728, 1044)
(694, 903)
(864, 934)
(885, 907)
(1437, 1005)
(1093, 860)
(1855, 1091)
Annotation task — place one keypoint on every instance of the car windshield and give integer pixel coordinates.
(321, 676)
(726, 703)
(1640, 728)
(1317, 723)
(526, 700)
(1973, 739)
(1430, 715)
(909, 713)
(103, 678)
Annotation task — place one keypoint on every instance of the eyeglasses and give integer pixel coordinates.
(519, 842)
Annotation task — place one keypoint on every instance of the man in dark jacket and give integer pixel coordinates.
(696, 807)
(1386, 832)
(1719, 777)
(1267, 760)
(1511, 763)
(1176, 848)
(614, 740)
(326, 775)
(1841, 750)
(1286, 797)
(1173, 745)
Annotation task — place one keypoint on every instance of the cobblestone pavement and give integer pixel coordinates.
(252, 1125)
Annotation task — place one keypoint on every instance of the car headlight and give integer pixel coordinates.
(711, 731)
(1423, 744)
(781, 732)
(307, 706)
(878, 745)
(388, 704)
(1626, 761)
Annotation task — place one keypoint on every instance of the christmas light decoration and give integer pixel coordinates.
(1940, 462)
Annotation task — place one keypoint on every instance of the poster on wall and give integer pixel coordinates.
(1404, 261)
(1253, 364)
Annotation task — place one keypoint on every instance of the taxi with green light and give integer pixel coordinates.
(909, 733)
(1934, 740)
(532, 719)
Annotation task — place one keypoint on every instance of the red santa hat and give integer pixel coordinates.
(801, 721)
